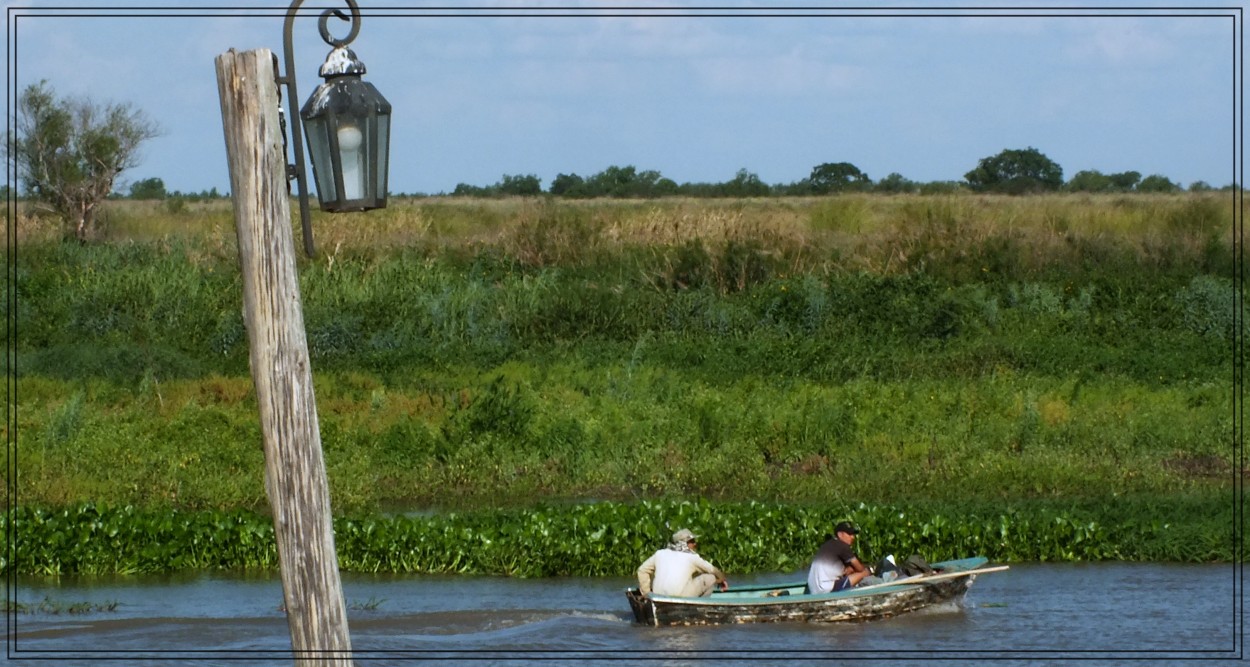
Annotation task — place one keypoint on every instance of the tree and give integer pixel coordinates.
(802, 188)
(1090, 180)
(621, 182)
(746, 184)
(466, 190)
(941, 187)
(666, 187)
(895, 183)
(527, 185)
(148, 188)
(837, 177)
(68, 152)
(1125, 180)
(568, 185)
(1016, 172)
(1157, 183)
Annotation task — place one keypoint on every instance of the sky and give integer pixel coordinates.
(918, 89)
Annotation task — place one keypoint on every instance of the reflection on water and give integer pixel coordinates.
(1034, 614)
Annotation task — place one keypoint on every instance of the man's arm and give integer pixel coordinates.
(705, 566)
(645, 572)
(858, 571)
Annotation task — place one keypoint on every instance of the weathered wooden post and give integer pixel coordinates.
(295, 476)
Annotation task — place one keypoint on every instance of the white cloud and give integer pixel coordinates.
(1123, 42)
(792, 73)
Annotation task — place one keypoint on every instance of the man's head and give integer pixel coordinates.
(846, 532)
(686, 537)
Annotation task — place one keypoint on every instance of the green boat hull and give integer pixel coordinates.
(788, 602)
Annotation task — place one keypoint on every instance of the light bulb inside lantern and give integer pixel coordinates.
(352, 159)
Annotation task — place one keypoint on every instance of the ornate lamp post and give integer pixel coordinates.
(348, 123)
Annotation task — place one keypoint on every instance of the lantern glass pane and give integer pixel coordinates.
(322, 166)
(383, 152)
(353, 150)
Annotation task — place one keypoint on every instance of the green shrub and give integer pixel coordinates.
(610, 539)
(1210, 307)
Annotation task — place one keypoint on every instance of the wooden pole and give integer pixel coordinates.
(295, 476)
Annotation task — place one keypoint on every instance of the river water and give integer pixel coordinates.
(1034, 614)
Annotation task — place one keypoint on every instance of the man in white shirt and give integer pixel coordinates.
(678, 570)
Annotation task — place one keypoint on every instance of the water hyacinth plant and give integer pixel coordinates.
(610, 539)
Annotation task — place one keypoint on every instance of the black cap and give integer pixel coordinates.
(846, 527)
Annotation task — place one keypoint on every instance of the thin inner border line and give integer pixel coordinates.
(668, 12)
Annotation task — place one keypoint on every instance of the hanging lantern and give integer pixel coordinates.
(348, 125)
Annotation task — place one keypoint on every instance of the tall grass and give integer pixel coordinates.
(472, 353)
(528, 430)
(879, 233)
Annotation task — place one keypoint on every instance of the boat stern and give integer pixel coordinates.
(643, 606)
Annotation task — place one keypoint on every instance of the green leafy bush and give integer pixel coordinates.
(611, 539)
(1209, 307)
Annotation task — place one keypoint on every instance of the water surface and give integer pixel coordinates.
(1035, 614)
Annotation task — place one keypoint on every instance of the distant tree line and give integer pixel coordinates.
(154, 188)
(1023, 171)
(1013, 171)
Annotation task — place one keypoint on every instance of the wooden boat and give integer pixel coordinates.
(788, 602)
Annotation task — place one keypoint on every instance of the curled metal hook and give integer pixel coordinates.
(338, 13)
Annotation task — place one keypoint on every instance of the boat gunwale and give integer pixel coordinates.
(783, 599)
(970, 565)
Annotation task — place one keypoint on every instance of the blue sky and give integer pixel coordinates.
(694, 97)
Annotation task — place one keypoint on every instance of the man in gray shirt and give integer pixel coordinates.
(835, 566)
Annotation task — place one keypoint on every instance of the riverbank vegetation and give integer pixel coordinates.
(968, 357)
(610, 539)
